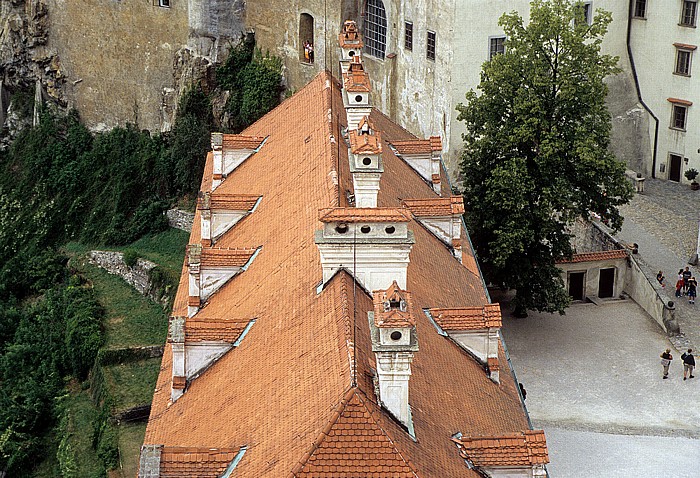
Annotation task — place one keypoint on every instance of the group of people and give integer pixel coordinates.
(686, 285)
(688, 363)
(308, 51)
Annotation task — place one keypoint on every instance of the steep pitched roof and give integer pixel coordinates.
(276, 392)
(434, 207)
(192, 462)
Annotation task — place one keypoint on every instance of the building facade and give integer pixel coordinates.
(423, 55)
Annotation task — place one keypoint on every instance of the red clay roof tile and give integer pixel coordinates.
(468, 318)
(216, 330)
(232, 202)
(239, 141)
(192, 462)
(520, 449)
(596, 256)
(435, 207)
(388, 307)
(226, 257)
(364, 214)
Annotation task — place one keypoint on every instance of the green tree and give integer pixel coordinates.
(536, 151)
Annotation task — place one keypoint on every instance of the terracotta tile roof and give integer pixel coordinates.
(232, 202)
(226, 257)
(354, 444)
(519, 449)
(356, 79)
(435, 207)
(307, 349)
(192, 462)
(365, 143)
(435, 143)
(349, 37)
(217, 330)
(387, 309)
(364, 214)
(468, 318)
(415, 146)
(239, 141)
(596, 256)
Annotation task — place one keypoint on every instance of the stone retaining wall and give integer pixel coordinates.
(180, 219)
(138, 276)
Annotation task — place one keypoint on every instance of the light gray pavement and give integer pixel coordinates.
(664, 222)
(593, 380)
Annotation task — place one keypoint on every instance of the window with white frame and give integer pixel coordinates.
(684, 58)
(375, 28)
(689, 13)
(430, 47)
(640, 8)
(496, 46)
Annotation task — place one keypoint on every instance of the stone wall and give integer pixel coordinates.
(138, 276)
(117, 58)
(590, 237)
(180, 219)
(644, 291)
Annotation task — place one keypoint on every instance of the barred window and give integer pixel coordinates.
(430, 50)
(688, 13)
(375, 28)
(408, 36)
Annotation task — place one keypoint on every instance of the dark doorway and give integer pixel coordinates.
(306, 38)
(674, 171)
(606, 283)
(576, 282)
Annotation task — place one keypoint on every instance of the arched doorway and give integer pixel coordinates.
(306, 38)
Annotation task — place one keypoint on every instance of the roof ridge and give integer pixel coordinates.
(349, 327)
(333, 139)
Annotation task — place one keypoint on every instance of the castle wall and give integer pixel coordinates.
(117, 57)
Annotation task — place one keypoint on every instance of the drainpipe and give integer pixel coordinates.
(639, 91)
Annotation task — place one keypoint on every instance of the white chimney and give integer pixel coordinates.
(394, 341)
(350, 44)
(366, 164)
(476, 329)
(356, 89)
(372, 243)
(194, 258)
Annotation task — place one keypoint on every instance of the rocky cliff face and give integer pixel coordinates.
(25, 58)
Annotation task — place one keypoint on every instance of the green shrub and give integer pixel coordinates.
(107, 441)
(131, 257)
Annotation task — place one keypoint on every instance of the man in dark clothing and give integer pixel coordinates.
(686, 277)
(666, 359)
(688, 364)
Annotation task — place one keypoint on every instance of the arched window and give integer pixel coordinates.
(375, 28)
(306, 38)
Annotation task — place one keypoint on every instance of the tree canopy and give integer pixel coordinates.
(536, 151)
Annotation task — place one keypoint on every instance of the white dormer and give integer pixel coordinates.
(443, 217)
(350, 44)
(476, 329)
(219, 212)
(210, 268)
(228, 152)
(394, 341)
(366, 164)
(372, 243)
(423, 155)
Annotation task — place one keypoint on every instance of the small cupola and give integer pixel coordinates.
(366, 164)
(373, 244)
(350, 44)
(394, 341)
(356, 89)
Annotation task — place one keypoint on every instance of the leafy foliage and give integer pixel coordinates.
(536, 149)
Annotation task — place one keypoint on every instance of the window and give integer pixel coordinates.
(306, 38)
(496, 46)
(683, 58)
(679, 116)
(688, 13)
(408, 36)
(640, 8)
(430, 50)
(586, 10)
(375, 28)
(164, 3)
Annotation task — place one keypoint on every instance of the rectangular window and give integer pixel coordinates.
(640, 8)
(679, 116)
(430, 51)
(164, 3)
(688, 13)
(586, 12)
(496, 46)
(683, 58)
(408, 36)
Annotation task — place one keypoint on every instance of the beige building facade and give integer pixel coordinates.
(423, 55)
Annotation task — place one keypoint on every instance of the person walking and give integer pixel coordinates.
(680, 279)
(660, 277)
(692, 290)
(666, 359)
(679, 286)
(688, 364)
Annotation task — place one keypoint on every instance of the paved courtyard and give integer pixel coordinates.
(593, 381)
